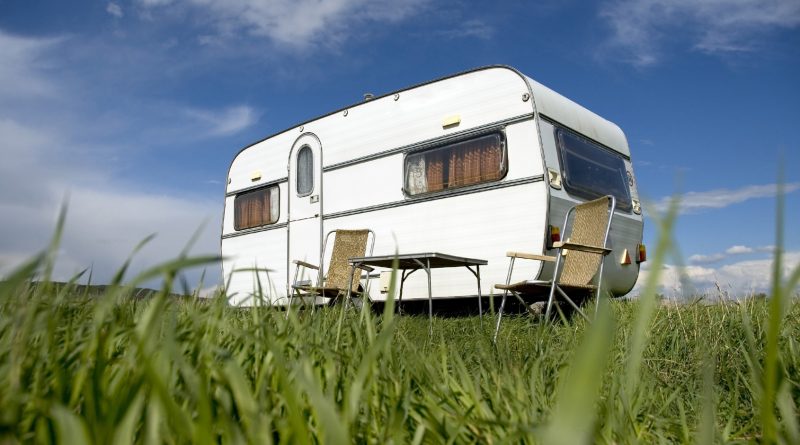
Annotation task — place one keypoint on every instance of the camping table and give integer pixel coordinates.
(412, 262)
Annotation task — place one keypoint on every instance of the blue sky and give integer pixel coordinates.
(133, 109)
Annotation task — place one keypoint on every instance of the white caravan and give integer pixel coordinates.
(473, 165)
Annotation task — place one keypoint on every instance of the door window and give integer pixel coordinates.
(305, 171)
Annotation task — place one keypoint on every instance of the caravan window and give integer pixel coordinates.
(460, 164)
(256, 208)
(305, 171)
(591, 170)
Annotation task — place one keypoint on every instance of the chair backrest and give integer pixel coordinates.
(589, 227)
(346, 244)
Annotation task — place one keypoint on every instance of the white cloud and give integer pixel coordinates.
(720, 198)
(736, 279)
(104, 222)
(225, 122)
(44, 161)
(469, 29)
(731, 251)
(640, 27)
(293, 23)
(707, 259)
(739, 250)
(24, 67)
(114, 9)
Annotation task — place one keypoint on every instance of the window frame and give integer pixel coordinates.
(624, 205)
(265, 189)
(442, 145)
(297, 172)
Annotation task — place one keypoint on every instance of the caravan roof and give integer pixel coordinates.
(562, 110)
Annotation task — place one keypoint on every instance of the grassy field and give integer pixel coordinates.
(113, 369)
(82, 365)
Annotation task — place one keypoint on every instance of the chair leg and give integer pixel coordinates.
(550, 302)
(500, 315)
(572, 303)
(289, 305)
(599, 290)
(503, 302)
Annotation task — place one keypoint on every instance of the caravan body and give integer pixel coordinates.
(473, 165)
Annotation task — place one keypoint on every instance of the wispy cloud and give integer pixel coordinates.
(640, 28)
(469, 29)
(739, 250)
(105, 220)
(729, 252)
(720, 198)
(48, 157)
(292, 23)
(24, 67)
(114, 9)
(707, 259)
(736, 279)
(227, 121)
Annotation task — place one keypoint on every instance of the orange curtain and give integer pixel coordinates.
(434, 171)
(464, 163)
(252, 210)
(474, 162)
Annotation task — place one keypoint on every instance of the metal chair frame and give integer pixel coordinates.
(554, 282)
(296, 287)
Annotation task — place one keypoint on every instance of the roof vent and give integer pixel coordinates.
(368, 96)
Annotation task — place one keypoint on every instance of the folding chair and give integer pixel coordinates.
(333, 285)
(586, 247)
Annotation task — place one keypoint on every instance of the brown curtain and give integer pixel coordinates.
(474, 162)
(434, 170)
(491, 158)
(252, 209)
(464, 163)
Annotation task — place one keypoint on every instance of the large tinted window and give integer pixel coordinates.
(460, 164)
(255, 208)
(305, 171)
(591, 170)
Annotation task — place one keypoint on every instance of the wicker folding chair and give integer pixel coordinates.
(346, 244)
(587, 246)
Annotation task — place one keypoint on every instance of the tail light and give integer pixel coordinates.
(642, 257)
(555, 234)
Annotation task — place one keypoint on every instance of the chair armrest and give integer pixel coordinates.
(581, 247)
(530, 256)
(304, 264)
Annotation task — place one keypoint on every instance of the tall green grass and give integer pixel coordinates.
(76, 368)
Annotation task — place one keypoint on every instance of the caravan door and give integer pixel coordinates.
(305, 203)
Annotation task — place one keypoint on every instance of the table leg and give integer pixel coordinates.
(430, 295)
(402, 281)
(403, 277)
(477, 274)
(480, 297)
(427, 266)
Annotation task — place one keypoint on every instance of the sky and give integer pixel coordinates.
(130, 111)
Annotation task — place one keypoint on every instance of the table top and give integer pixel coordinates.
(409, 260)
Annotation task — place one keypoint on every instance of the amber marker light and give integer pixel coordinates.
(642, 257)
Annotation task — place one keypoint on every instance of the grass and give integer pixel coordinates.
(110, 368)
(118, 370)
